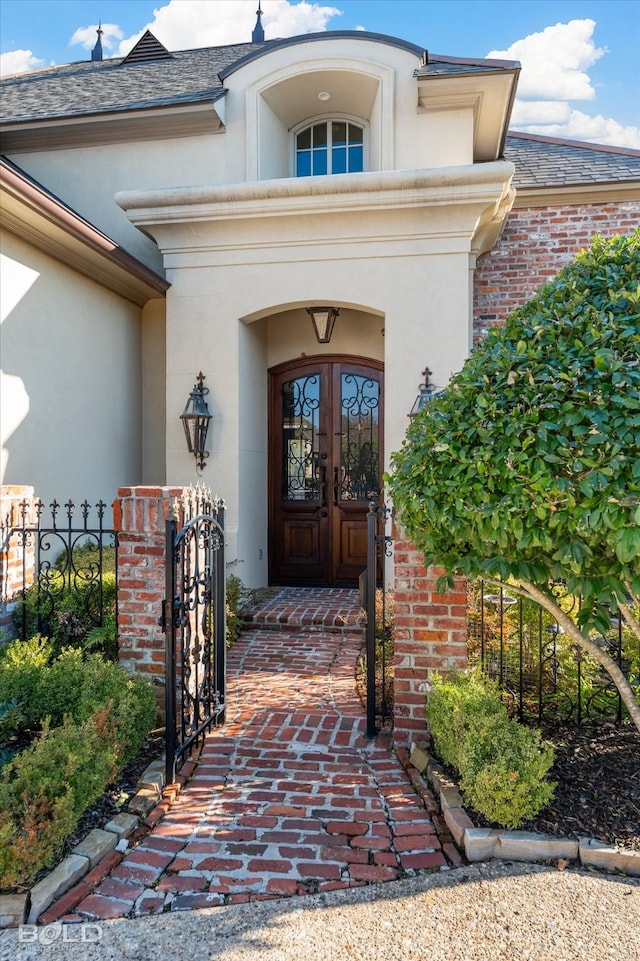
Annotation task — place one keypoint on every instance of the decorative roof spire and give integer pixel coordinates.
(96, 53)
(258, 32)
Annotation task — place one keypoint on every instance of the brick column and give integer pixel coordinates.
(139, 517)
(430, 635)
(17, 551)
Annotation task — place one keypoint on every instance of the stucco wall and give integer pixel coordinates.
(154, 371)
(535, 244)
(70, 407)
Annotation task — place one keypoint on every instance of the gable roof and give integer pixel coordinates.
(545, 162)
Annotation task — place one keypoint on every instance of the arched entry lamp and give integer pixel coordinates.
(195, 419)
(323, 319)
(427, 390)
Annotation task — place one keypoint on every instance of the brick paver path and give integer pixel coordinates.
(289, 797)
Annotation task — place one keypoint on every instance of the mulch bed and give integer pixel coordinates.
(598, 792)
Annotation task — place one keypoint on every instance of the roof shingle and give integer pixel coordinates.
(105, 86)
(548, 162)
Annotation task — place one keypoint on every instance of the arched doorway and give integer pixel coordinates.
(325, 466)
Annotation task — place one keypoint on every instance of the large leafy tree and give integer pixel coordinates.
(526, 469)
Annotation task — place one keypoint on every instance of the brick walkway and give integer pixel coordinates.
(289, 797)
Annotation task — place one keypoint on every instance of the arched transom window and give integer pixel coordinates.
(329, 147)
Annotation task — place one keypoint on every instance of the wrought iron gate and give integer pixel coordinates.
(194, 622)
(378, 604)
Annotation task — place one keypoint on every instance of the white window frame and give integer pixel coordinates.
(329, 119)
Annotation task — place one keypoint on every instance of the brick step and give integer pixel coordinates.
(302, 623)
(305, 610)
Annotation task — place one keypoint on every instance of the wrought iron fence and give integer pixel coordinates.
(545, 677)
(64, 573)
(194, 622)
(377, 602)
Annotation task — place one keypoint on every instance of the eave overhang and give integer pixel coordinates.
(488, 93)
(118, 126)
(615, 191)
(33, 215)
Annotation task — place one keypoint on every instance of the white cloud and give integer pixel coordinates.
(184, 24)
(555, 71)
(18, 61)
(580, 126)
(87, 37)
(555, 62)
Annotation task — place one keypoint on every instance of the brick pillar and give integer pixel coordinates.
(139, 517)
(17, 551)
(430, 634)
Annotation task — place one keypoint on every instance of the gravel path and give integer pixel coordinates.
(487, 912)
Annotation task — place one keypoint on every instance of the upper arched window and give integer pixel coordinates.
(329, 147)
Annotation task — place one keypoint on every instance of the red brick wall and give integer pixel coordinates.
(139, 516)
(535, 244)
(430, 634)
(17, 555)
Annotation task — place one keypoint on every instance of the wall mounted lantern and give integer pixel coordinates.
(323, 319)
(195, 419)
(427, 391)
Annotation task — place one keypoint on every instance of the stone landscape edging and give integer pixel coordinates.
(482, 844)
(97, 854)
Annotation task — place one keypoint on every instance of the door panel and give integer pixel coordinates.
(356, 464)
(325, 461)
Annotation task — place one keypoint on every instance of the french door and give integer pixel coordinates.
(325, 466)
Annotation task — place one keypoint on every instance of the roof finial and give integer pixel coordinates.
(258, 32)
(96, 53)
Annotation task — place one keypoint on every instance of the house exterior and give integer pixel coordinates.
(176, 212)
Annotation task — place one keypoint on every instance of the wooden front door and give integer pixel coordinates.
(325, 466)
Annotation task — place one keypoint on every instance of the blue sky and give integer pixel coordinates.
(580, 59)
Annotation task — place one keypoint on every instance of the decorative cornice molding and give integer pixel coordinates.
(367, 191)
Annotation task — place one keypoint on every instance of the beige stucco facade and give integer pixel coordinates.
(67, 419)
(246, 247)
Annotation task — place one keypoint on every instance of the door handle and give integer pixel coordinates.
(323, 486)
(336, 487)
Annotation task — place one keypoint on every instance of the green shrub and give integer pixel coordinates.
(235, 598)
(502, 764)
(21, 666)
(76, 686)
(94, 718)
(44, 791)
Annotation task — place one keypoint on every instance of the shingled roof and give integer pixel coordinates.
(186, 76)
(438, 65)
(550, 162)
(105, 86)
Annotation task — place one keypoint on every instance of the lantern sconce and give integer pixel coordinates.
(323, 320)
(427, 390)
(195, 419)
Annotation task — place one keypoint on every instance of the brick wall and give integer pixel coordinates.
(430, 634)
(535, 244)
(17, 553)
(139, 516)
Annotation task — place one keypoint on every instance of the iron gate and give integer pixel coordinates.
(378, 605)
(194, 623)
